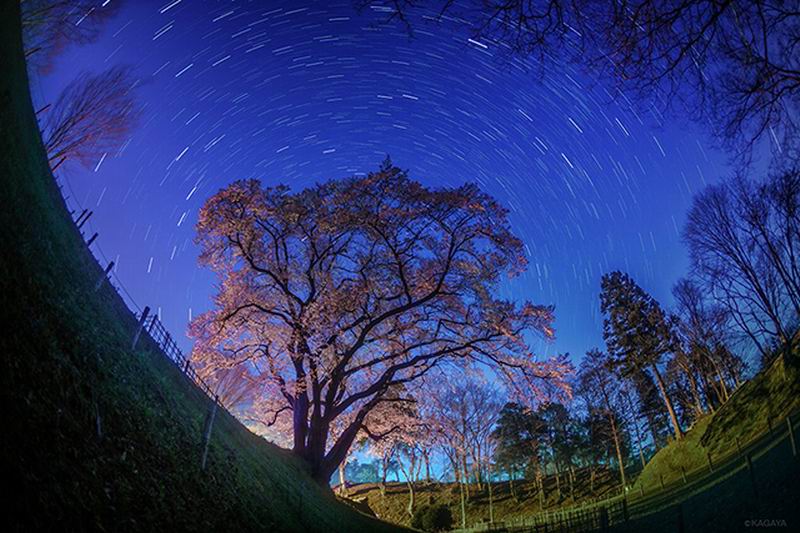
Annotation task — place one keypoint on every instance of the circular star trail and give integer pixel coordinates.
(300, 93)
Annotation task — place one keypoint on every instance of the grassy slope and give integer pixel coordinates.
(66, 357)
(769, 493)
(393, 506)
(771, 394)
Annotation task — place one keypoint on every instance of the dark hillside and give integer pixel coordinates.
(96, 436)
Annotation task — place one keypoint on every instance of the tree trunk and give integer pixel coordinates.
(466, 473)
(558, 482)
(651, 425)
(615, 436)
(411, 494)
(342, 480)
(635, 427)
(300, 424)
(670, 409)
(540, 479)
(463, 508)
(699, 410)
(511, 486)
(491, 501)
(385, 459)
(572, 482)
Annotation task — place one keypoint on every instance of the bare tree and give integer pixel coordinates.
(92, 116)
(743, 240)
(600, 386)
(711, 369)
(737, 63)
(48, 26)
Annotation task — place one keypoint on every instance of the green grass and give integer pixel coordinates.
(767, 398)
(392, 506)
(740, 502)
(66, 360)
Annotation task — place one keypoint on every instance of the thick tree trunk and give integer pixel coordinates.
(300, 424)
(323, 465)
(667, 402)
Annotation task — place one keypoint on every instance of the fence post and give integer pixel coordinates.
(80, 217)
(103, 277)
(186, 366)
(683, 474)
(791, 436)
(83, 218)
(139, 328)
(603, 519)
(60, 162)
(207, 431)
(91, 239)
(710, 464)
(661, 478)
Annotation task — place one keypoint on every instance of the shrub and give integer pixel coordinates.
(432, 518)
(416, 518)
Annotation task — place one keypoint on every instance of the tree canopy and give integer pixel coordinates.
(336, 294)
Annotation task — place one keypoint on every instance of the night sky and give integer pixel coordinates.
(297, 95)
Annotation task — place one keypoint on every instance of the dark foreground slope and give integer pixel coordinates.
(66, 363)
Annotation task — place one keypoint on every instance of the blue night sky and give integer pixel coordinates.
(296, 95)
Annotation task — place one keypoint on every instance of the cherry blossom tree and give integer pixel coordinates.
(353, 287)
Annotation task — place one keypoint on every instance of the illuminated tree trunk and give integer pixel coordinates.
(342, 479)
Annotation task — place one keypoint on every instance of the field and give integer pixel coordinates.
(96, 435)
(392, 505)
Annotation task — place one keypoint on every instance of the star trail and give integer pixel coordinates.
(298, 93)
